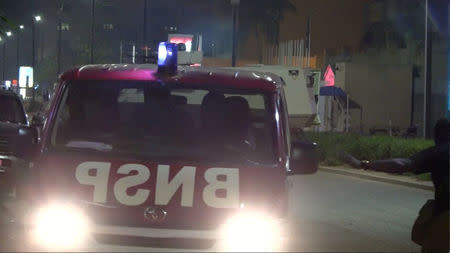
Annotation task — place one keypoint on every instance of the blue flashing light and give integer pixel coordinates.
(167, 57)
(162, 54)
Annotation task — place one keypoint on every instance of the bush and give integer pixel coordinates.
(333, 145)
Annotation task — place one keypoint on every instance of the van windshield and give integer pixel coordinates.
(151, 120)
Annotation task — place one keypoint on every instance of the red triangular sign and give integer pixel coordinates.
(328, 77)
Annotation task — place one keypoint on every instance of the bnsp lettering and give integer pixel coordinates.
(138, 175)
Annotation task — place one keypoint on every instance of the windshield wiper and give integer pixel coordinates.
(8, 121)
(99, 146)
(244, 157)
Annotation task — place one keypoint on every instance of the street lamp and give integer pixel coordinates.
(92, 32)
(8, 34)
(3, 64)
(4, 58)
(37, 19)
(235, 17)
(21, 27)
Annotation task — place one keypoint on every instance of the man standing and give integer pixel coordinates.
(431, 229)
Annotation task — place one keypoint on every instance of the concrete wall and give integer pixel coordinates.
(383, 91)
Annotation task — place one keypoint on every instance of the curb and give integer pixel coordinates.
(379, 179)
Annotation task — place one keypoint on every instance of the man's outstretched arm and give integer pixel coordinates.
(395, 165)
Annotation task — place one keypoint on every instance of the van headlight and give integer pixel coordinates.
(59, 226)
(252, 232)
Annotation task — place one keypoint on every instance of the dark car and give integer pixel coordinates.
(17, 140)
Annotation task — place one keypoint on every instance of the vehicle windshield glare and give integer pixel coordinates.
(143, 118)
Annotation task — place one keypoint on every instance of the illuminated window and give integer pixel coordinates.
(64, 27)
(108, 27)
(171, 28)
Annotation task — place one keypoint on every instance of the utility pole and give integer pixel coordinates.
(37, 19)
(59, 46)
(18, 51)
(308, 42)
(427, 75)
(92, 32)
(235, 16)
(4, 60)
(145, 31)
(413, 88)
(33, 45)
(61, 8)
(33, 58)
(42, 40)
(121, 52)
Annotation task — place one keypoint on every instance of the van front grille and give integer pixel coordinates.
(152, 242)
(4, 145)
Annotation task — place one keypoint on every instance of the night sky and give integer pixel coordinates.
(335, 23)
(330, 18)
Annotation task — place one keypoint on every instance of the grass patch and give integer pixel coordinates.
(333, 145)
(421, 177)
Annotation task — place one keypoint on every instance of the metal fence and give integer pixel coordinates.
(291, 53)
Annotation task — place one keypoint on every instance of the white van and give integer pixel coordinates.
(299, 95)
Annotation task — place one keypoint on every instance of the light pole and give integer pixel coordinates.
(92, 32)
(145, 31)
(8, 34)
(60, 13)
(235, 14)
(21, 27)
(4, 59)
(37, 19)
(427, 73)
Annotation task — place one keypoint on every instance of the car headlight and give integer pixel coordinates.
(252, 232)
(59, 226)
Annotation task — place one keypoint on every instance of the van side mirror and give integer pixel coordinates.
(304, 158)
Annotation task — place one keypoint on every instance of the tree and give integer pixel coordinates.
(6, 25)
(45, 72)
(263, 18)
(402, 26)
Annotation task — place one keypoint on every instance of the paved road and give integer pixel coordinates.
(341, 213)
(336, 213)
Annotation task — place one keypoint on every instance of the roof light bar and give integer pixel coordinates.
(167, 58)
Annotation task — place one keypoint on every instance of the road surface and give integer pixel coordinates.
(340, 213)
(337, 213)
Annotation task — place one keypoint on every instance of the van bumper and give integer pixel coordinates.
(126, 239)
(12, 171)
